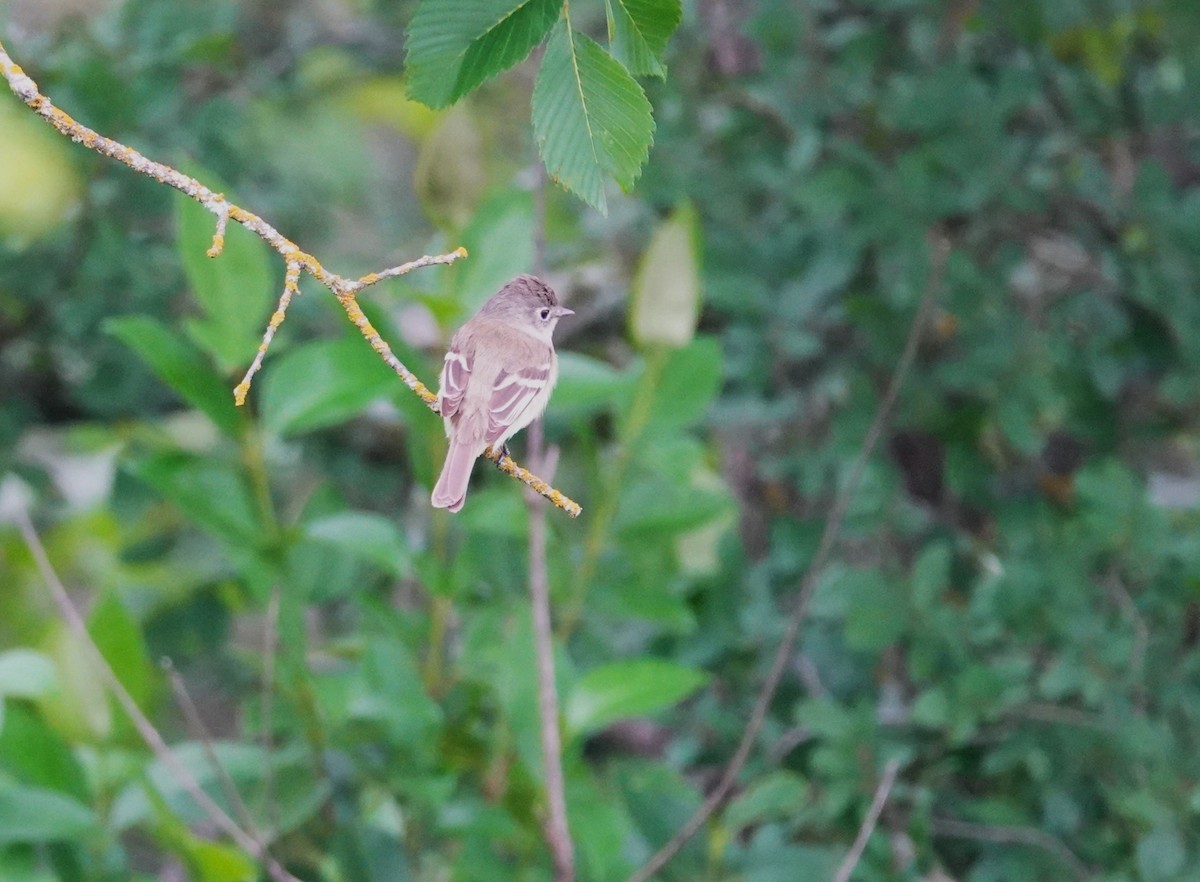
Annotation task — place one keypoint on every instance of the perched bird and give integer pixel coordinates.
(496, 379)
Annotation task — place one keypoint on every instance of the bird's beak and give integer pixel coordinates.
(560, 311)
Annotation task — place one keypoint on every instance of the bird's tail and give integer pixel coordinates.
(451, 489)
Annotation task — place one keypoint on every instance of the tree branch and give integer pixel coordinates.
(854, 855)
(195, 723)
(1005, 835)
(150, 735)
(939, 252)
(557, 831)
(295, 260)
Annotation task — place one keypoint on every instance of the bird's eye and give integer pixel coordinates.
(544, 313)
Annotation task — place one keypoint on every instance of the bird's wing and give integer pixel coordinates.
(456, 371)
(512, 403)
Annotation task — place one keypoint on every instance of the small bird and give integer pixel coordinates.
(496, 379)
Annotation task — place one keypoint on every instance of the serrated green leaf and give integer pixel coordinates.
(234, 289)
(455, 45)
(178, 364)
(638, 31)
(627, 689)
(590, 116)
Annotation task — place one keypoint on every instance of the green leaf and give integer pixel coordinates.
(590, 116)
(586, 385)
(35, 753)
(210, 493)
(233, 289)
(878, 614)
(388, 692)
(627, 689)
(25, 673)
(1161, 854)
(931, 575)
(253, 771)
(321, 384)
(29, 814)
(181, 366)
(689, 380)
(500, 240)
(119, 639)
(638, 31)
(769, 859)
(79, 708)
(451, 173)
(665, 293)
(932, 708)
(651, 508)
(362, 534)
(602, 830)
(779, 794)
(215, 862)
(455, 45)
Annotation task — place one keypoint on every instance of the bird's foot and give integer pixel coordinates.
(500, 455)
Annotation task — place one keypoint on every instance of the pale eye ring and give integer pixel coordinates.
(544, 313)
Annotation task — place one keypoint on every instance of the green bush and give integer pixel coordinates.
(1012, 610)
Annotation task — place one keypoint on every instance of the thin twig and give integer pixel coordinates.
(939, 248)
(953, 829)
(1045, 712)
(557, 831)
(200, 732)
(1141, 637)
(854, 855)
(140, 721)
(267, 704)
(296, 260)
(558, 834)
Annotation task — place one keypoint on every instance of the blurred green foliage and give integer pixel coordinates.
(1014, 610)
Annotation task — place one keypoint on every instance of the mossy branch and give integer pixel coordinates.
(295, 260)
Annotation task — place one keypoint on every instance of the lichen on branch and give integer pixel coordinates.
(296, 261)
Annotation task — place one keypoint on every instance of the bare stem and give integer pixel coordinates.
(940, 248)
(296, 260)
(140, 721)
(953, 829)
(200, 732)
(267, 705)
(868, 825)
(558, 834)
(557, 831)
